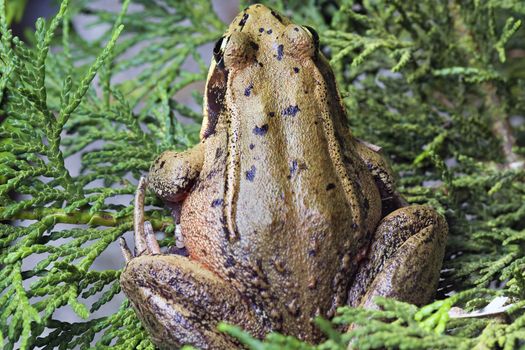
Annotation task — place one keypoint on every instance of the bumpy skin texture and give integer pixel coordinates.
(182, 302)
(279, 203)
(406, 248)
(173, 174)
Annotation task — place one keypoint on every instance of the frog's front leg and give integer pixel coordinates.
(173, 173)
(172, 176)
(404, 259)
(178, 300)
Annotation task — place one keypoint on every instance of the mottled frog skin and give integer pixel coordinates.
(285, 215)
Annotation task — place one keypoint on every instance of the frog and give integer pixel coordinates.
(284, 213)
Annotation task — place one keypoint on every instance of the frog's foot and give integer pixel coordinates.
(125, 250)
(145, 240)
(180, 302)
(404, 259)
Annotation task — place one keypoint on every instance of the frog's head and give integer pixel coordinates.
(262, 35)
(258, 39)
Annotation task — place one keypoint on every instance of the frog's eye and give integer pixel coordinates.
(240, 50)
(302, 41)
(315, 36)
(218, 49)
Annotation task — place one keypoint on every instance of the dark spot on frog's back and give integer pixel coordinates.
(250, 174)
(280, 52)
(216, 202)
(218, 153)
(162, 164)
(226, 232)
(297, 167)
(212, 174)
(293, 167)
(291, 110)
(215, 93)
(230, 261)
(330, 186)
(260, 131)
(248, 90)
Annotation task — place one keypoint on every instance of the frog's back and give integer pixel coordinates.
(284, 204)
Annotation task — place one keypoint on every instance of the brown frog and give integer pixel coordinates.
(285, 215)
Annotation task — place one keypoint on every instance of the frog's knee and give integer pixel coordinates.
(173, 173)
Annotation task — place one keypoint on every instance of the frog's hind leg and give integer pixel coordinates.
(404, 259)
(181, 302)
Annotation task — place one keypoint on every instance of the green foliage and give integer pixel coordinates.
(435, 83)
(15, 10)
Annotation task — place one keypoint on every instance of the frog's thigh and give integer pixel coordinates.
(180, 302)
(404, 259)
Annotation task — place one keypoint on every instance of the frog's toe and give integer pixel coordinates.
(138, 218)
(145, 241)
(404, 259)
(151, 241)
(125, 250)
